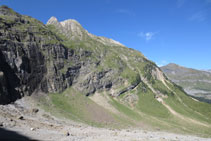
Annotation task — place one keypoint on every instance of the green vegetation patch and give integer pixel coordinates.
(126, 110)
(185, 105)
(149, 105)
(75, 106)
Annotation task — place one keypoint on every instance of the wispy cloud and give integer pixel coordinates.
(180, 3)
(198, 16)
(147, 35)
(125, 11)
(162, 63)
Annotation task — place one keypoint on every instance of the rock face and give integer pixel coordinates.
(196, 83)
(50, 58)
(30, 57)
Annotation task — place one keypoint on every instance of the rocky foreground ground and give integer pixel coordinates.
(23, 121)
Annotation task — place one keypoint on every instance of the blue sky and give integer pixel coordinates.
(165, 31)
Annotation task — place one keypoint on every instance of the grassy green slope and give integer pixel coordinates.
(75, 106)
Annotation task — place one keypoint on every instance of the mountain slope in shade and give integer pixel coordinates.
(196, 83)
(91, 79)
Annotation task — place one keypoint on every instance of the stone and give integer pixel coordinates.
(158, 129)
(21, 117)
(67, 133)
(1, 124)
(35, 110)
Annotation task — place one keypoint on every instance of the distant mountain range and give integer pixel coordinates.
(209, 70)
(196, 83)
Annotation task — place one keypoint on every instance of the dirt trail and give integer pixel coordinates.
(160, 76)
(183, 117)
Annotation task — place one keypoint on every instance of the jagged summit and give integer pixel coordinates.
(72, 29)
(70, 22)
(52, 20)
(64, 23)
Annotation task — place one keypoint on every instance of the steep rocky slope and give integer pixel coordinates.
(196, 83)
(90, 79)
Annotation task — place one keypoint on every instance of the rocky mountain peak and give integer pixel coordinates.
(70, 23)
(72, 29)
(52, 20)
(172, 65)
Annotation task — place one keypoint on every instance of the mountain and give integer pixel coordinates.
(196, 83)
(75, 75)
(74, 31)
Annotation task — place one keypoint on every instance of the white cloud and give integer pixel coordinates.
(147, 36)
(162, 63)
(198, 16)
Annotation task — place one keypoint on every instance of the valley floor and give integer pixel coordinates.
(22, 120)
